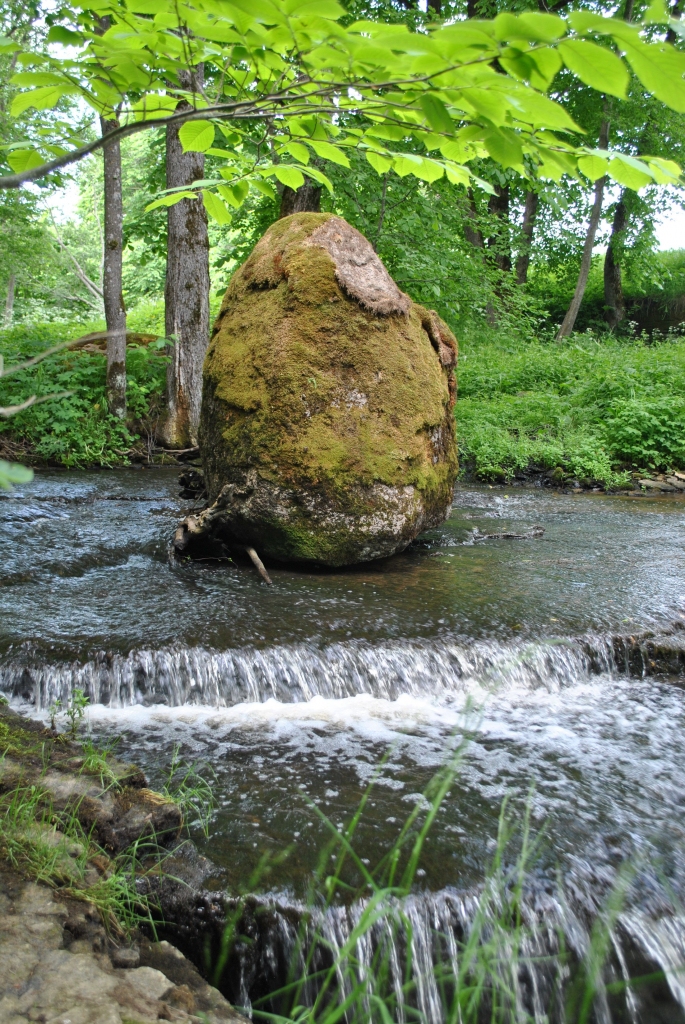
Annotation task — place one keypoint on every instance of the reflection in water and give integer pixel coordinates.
(295, 694)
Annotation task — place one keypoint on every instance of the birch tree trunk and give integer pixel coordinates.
(115, 311)
(586, 260)
(186, 292)
(527, 228)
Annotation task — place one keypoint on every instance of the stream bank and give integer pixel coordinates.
(73, 940)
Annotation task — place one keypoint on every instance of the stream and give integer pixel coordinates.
(297, 697)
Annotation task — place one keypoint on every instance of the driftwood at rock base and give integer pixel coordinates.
(259, 565)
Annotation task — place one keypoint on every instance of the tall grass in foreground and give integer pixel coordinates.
(500, 967)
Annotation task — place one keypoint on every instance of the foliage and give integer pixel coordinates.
(187, 786)
(78, 430)
(53, 847)
(75, 710)
(590, 410)
(287, 77)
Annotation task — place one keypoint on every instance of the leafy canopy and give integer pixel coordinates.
(288, 87)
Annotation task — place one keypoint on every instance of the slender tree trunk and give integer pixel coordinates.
(472, 232)
(499, 243)
(436, 6)
(115, 311)
(305, 199)
(9, 301)
(186, 291)
(613, 284)
(527, 228)
(586, 260)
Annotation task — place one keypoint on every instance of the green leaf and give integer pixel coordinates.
(315, 8)
(170, 200)
(656, 14)
(595, 66)
(380, 163)
(196, 136)
(234, 194)
(660, 68)
(327, 151)
(317, 175)
(215, 207)
(21, 160)
(593, 167)
(457, 174)
(543, 28)
(664, 172)
(13, 473)
(59, 34)
(504, 147)
(288, 175)
(264, 187)
(297, 150)
(436, 113)
(41, 99)
(630, 172)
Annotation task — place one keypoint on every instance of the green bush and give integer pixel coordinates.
(592, 409)
(76, 430)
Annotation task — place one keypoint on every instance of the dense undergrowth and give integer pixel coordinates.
(593, 409)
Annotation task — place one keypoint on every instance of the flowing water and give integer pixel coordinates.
(299, 695)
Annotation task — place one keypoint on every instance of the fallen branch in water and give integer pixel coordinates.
(259, 565)
(532, 534)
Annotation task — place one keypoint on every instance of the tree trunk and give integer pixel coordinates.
(436, 6)
(305, 199)
(586, 260)
(9, 301)
(498, 205)
(613, 285)
(472, 232)
(186, 292)
(115, 311)
(527, 229)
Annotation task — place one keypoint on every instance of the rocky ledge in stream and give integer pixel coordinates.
(327, 429)
(63, 955)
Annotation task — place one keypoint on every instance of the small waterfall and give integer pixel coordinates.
(439, 669)
(419, 950)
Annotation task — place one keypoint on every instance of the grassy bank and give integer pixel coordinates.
(595, 409)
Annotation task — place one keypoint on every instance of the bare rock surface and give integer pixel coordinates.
(58, 966)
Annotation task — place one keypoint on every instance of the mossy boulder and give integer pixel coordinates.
(327, 427)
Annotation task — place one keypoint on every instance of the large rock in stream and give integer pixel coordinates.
(327, 426)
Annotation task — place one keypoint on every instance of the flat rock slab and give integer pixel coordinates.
(56, 967)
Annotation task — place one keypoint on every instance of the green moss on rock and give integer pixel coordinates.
(327, 431)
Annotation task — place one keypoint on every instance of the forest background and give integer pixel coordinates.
(603, 404)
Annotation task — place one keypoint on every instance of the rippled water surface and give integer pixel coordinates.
(295, 694)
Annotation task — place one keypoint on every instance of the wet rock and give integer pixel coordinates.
(126, 956)
(117, 810)
(327, 428)
(192, 484)
(45, 977)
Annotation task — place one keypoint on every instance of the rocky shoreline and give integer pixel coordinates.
(64, 956)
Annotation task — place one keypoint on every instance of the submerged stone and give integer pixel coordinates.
(327, 427)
